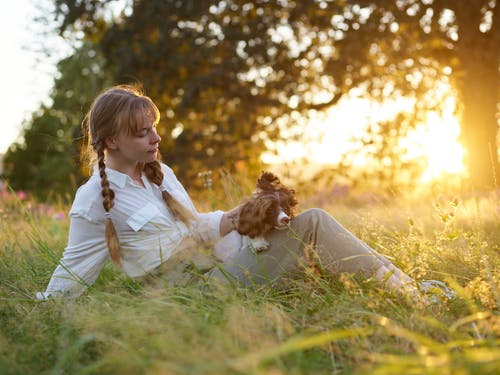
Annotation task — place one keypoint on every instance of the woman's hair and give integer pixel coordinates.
(117, 109)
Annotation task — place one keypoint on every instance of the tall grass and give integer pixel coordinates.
(315, 325)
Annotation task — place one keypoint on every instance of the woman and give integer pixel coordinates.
(134, 211)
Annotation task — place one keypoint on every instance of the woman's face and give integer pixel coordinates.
(131, 147)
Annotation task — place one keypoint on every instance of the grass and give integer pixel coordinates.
(328, 325)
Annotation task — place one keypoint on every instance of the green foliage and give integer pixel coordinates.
(319, 325)
(211, 117)
(230, 76)
(47, 162)
(226, 69)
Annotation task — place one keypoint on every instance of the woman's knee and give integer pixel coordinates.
(312, 218)
(309, 221)
(315, 214)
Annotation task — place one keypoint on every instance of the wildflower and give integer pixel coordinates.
(60, 215)
(206, 177)
(455, 202)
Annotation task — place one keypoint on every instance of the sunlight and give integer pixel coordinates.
(437, 140)
(329, 136)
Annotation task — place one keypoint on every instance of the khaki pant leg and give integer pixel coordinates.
(337, 249)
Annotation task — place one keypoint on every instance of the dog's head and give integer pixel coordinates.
(272, 205)
(270, 183)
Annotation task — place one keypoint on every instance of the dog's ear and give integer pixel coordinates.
(268, 182)
(292, 202)
(288, 201)
(292, 199)
(256, 217)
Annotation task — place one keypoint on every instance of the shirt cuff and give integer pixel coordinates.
(208, 226)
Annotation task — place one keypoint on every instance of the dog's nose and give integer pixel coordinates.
(283, 219)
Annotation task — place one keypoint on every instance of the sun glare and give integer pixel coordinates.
(329, 136)
(437, 141)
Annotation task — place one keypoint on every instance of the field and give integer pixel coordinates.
(317, 325)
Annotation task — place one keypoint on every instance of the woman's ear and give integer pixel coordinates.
(111, 143)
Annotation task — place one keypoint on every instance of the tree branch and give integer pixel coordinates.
(324, 105)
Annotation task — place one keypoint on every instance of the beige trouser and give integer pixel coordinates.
(335, 249)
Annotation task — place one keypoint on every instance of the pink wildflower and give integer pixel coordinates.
(59, 215)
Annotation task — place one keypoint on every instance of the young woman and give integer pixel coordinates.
(134, 211)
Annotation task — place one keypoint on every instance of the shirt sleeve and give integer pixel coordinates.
(207, 226)
(82, 259)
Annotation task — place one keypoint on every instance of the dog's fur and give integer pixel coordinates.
(271, 206)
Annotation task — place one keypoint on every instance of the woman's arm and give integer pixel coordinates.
(229, 221)
(82, 260)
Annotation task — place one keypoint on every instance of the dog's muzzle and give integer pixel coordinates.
(282, 219)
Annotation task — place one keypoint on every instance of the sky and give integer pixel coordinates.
(26, 75)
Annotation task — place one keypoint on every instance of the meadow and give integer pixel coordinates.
(317, 324)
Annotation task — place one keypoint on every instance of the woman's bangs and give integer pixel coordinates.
(143, 114)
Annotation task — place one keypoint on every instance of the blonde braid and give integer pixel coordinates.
(155, 175)
(108, 196)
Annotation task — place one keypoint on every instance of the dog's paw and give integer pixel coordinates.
(262, 249)
(259, 244)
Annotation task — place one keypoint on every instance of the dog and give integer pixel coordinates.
(271, 206)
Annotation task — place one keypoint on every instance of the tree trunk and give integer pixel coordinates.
(479, 127)
(479, 57)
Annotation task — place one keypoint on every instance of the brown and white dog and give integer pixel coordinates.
(271, 206)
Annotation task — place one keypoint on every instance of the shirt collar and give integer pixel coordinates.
(115, 177)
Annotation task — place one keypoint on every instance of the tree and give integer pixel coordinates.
(477, 52)
(210, 117)
(457, 41)
(46, 161)
(239, 64)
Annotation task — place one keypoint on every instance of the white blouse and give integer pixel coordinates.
(148, 233)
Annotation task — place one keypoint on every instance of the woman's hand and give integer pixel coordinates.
(229, 221)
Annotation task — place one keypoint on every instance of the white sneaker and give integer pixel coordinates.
(436, 291)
